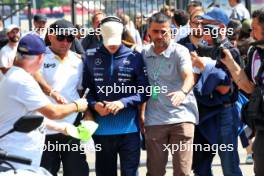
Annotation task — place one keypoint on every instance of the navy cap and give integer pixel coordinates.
(217, 14)
(40, 17)
(31, 44)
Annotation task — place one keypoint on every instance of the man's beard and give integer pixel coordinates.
(161, 44)
(14, 39)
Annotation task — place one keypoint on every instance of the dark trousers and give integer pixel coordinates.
(128, 148)
(258, 153)
(227, 135)
(73, 159)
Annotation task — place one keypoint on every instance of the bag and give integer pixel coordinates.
(253, 112)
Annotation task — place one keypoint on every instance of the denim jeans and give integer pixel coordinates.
(128, 148)
(227, 135)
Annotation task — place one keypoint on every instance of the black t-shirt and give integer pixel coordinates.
(3, 38)
(90, 43)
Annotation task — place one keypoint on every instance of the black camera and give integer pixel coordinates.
(215, 51)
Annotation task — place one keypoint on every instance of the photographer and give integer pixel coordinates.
(215, 94)
(251, 81)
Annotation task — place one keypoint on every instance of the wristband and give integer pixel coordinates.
(185, 93)
(52, 90)
(77, 106)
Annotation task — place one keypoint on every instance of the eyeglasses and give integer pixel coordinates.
(69, 38)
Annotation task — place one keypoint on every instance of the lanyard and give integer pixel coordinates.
(157, 71)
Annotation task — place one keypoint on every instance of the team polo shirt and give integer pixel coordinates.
(64, 76)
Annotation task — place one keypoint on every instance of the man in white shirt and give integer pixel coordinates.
(239, 11)
(21, 95)
(62, 70)
(8, 52)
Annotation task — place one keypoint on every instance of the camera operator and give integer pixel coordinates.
(251, 81)
(216, 95)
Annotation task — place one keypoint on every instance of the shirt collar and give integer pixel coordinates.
(166, 53)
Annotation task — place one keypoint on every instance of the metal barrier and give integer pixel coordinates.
(129, 7)
(14, 12)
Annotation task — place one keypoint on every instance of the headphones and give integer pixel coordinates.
(111, 18)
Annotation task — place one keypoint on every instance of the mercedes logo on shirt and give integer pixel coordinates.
(98, 61)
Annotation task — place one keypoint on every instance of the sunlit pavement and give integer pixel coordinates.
(247, 170)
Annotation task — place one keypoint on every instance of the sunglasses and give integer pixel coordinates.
(69, 38)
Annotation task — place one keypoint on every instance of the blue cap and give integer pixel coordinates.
(31, 44)
(217, 14)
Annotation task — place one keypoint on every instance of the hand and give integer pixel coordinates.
(177, 97)
(58, 98)
(142, 124)
(82, 104)
(62, 127)
(197, 61)
(114, 106)
(228, 59)
(100, 108)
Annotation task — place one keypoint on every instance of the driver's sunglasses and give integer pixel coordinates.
(69, 38)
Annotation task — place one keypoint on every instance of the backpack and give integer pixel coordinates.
(252, 112)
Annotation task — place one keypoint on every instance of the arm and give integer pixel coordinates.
(58, 111)
(185, 68)
(141, 109)
(238, 75)
(47, 89)
(188, 80)
(178, 96)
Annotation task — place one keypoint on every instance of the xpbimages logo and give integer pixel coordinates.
(123, 89)
(214, 148)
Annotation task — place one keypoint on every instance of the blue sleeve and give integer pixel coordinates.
(211, 78)
(141, 82)
(87, 82)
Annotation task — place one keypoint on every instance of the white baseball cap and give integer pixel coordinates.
(111, 30)
(11, 27)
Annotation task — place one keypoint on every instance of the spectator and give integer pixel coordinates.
(244, 41)
(3, 37)
(239, 11)
(235, 27)
(251, 79)
(39, 22)
(141, 25)
(180, 20)
(129, 25)
(216, 95)
(93, 41)
(194, 5)
(195, 38)
(23, 96)
(166, 10)
(171, 113)
(62, 71)
(8, 52)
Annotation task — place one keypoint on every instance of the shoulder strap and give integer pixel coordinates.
(261, 69)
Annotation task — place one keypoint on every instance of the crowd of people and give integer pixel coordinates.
(179, 82)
